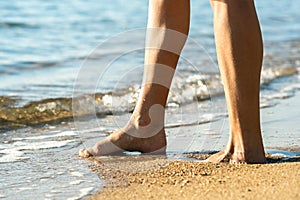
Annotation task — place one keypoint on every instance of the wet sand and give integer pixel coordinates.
(196, 180)
(160, 178)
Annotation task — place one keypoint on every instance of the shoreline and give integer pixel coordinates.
(181, 179)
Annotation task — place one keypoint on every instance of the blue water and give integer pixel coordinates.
(43, 42)
(42, 47)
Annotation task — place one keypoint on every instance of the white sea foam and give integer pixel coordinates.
(12, 155)
(291, 88)
(77, 174)
(62, 134)
(270, 74)
(13, 152)
(49, 195)
(42, 145)
(60, 173)
(98, 129)
(265, 104)
(24, 188)
(283, 93)
(281, 155)
(280, 95)
(77, 182)
(83, 192)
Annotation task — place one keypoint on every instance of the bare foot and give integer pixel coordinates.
(130, 138)
(234, 156)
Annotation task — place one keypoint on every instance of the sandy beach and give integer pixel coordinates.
(194, 180)
(186, 179)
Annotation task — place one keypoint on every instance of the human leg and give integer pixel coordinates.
(145, 129)
(240, 52)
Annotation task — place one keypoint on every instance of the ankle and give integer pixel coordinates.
(138, 120)
(152, 117)
(251, 153)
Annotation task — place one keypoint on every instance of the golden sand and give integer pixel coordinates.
(197, 180)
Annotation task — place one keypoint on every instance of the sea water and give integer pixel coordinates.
(44, 44)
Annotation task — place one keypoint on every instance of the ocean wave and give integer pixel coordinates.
(270, 74)
(16, 149)
(183, 91)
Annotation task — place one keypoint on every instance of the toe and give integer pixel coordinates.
(221, 156)
(84, 153)
(81, 153)
(231, 161)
